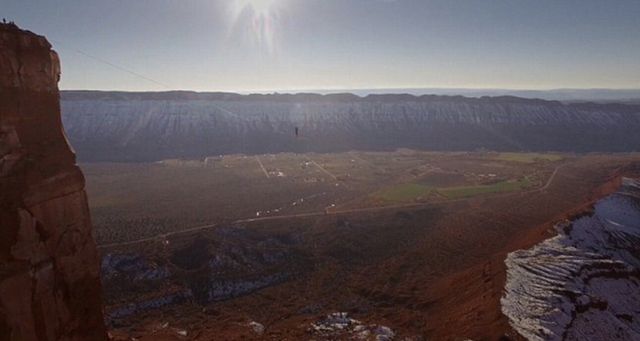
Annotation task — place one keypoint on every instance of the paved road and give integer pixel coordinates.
(336, 212)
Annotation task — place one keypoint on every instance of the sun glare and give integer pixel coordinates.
(259, 21)
(259, 7)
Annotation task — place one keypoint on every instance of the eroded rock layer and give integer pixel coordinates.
(49, 270)
(583, 284)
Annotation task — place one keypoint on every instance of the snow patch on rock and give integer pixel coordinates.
(257, 327)
(341, 326)
(584, 283)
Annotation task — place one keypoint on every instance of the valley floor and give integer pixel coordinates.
(425, 265)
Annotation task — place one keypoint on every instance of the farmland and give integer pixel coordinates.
(412, 191)
(131, 201)
(405, 192)
(528, 157)
(502, 187)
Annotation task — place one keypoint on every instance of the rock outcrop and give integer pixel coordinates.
(119, 126)
(49, 269)
(584, 283)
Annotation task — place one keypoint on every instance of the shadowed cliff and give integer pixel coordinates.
(49, 270)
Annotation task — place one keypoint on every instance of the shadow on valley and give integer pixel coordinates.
(201, 269)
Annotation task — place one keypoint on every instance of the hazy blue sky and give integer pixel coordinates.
(244, 45)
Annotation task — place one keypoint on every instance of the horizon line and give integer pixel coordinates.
(347, 90)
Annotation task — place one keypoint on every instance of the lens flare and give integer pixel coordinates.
(258, 6)
(258, 21)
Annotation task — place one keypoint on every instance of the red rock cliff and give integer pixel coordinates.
(49, 267)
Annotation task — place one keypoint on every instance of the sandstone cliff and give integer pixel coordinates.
(49, 270)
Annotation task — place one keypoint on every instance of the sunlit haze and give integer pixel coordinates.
(258, 21)
(276, 45)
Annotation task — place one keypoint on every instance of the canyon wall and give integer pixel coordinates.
(49, 269)
(120, 126)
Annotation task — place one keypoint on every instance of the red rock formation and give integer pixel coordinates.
(49, 268)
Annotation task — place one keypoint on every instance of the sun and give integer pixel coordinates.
(259, 21)
(259, 7)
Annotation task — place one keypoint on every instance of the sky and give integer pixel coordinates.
(280, 45)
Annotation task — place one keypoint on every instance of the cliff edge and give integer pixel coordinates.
(49, 268)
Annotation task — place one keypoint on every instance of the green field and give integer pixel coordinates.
(528, 157)
(404, 192)
(410, 191)
(466, 191)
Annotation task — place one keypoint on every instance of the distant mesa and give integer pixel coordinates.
(152, 126)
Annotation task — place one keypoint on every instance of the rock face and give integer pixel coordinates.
(117, 126)
(584, 283)
(49, 269)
